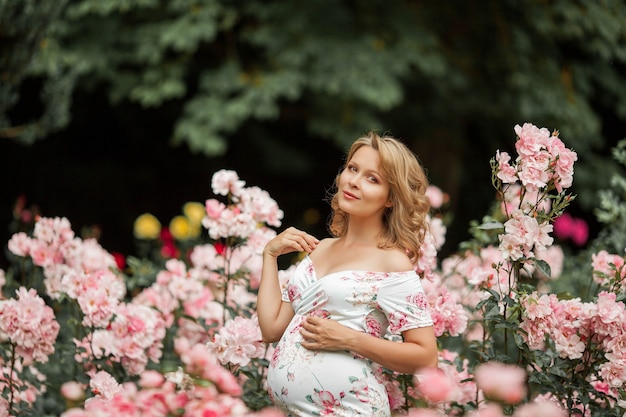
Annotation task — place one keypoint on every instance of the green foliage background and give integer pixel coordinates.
(109, 108)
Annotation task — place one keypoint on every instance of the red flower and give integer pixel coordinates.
(120, 260)
(220, 248)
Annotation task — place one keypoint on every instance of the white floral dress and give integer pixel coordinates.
(302, 382)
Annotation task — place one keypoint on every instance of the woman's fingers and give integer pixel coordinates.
(292, 240)
(304, 241)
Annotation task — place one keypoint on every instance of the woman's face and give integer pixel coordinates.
(362, 190)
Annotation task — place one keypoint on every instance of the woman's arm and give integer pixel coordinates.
(273, 313)
(418, 350)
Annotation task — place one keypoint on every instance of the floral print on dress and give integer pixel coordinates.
(307, 383)
(293, 293)
(373, 326)
(419, 301)
(326, 401)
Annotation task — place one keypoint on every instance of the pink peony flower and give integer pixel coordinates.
(200, 362)
(103, 385)
(151, 379)
(434, 385)
(214, 209)
(238, 341)
(20, 244)
(522, 234)
(447, 314)
(606, 266)
(531, 139)
(225, 182)
(73, 391)
(503, 382)
(436, 197)
(263, 208)
(506, 173)
(30, 325)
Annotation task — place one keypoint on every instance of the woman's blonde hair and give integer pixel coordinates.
(405, 221)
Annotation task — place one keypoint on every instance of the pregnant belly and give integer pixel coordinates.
(329, 383)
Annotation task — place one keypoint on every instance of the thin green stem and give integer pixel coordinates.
(11, 383)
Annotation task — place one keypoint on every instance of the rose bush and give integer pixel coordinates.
(173, 331)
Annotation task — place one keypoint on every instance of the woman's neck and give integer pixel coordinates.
(363, 233)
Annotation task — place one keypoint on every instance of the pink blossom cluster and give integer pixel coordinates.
(178, 289)
(607, 267)
(247, 208)
(478, 270)
(203, 290)
(56, 249)
(174, 394)
(543, 164)
(522, 234)
(543, 160)
(29, 326)
(134, 337)
(492, 384)
(523, 203)
(436, 196)
(467, 275)
(238, 341)
(501, 382)
(83, 271)
(215, 262)
(97, 292)
(450, 383)
(572, 325)
(529, 200)
(448, 315)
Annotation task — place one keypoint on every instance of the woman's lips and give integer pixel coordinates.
(349, 196)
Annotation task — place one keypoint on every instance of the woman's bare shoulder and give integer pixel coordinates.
(323, 246)
(394, 260)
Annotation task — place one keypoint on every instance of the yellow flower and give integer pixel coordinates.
(181, 228)
(147, 227)
(194, 212)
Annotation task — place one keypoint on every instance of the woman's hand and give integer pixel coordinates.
(324, 334)
(291, 240)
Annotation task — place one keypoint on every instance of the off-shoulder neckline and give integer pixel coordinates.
(362, 271)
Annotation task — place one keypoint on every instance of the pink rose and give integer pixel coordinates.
(151, 379)
(434, 385)
(226, 181)
(73, 391)
(502, 382)
(436, 196)
(214, 208)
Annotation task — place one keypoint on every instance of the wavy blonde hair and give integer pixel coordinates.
(405, 221)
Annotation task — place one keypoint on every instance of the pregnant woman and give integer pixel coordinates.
(350, 290)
